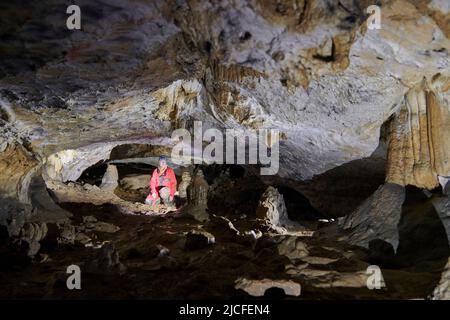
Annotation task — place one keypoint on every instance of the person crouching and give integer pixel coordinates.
(163, 184)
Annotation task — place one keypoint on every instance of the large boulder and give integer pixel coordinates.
(136, 182)
(110, 179)
(377, 218)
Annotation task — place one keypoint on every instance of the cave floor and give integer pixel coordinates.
(330, 270)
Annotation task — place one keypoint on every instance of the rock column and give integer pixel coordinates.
(197, 194)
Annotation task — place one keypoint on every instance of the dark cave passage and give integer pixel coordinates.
(341, 190)
(234, 189)
(94, 174)
(298, 206)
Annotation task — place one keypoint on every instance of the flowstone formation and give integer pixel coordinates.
(417, 155)
(419, 150)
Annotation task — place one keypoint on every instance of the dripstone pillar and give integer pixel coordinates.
(197, 194)
(186, 180)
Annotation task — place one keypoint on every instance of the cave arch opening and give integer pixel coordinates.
(93, 175)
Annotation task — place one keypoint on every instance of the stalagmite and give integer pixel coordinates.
(197, 194)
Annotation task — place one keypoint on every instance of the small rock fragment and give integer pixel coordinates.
(105, 227)
(82, 238)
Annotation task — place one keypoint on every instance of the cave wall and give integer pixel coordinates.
(15, 163)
